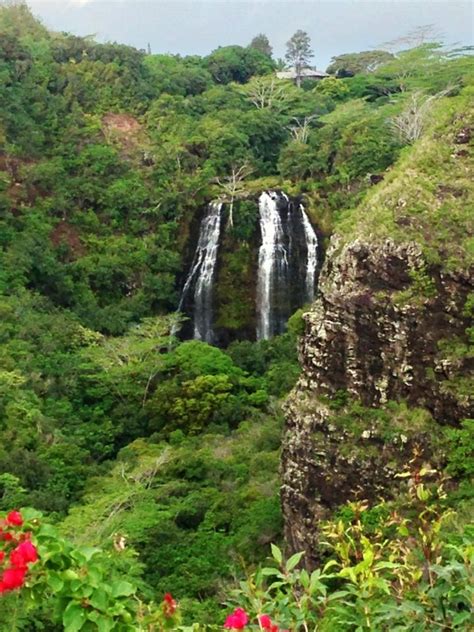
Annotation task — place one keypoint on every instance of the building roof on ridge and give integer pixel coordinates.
(290, 73)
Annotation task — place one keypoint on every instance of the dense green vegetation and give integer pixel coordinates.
(383, 567)
(110, 426)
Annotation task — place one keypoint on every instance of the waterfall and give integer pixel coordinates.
(201, 275)
(272, 265)
(286, 275)
(287, 262)
(311, 255)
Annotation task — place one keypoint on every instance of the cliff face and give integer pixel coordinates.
(385, 332)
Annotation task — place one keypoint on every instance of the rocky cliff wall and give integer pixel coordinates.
(384, 366)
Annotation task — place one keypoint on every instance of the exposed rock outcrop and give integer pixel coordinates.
(383, 329)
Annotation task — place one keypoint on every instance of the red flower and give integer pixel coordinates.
(237, 620)
(13, 578)
(24, 554)
(169, 605)
(267, 625)
(6, 537)
(2, 556)
(14, 519)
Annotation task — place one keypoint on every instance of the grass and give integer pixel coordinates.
(428, 195)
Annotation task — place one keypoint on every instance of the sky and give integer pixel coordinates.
(196, 27)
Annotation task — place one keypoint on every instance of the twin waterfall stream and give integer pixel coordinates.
(201, 275)
(287, 266)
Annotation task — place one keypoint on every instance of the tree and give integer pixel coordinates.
(351, 64)
(419, 67)
(299, 52)
(261, 43)
(417, 37)
(174, 75)
(410, 124)
(268, 92)
(127, 365)
(301, 128)
(235, 63)
(332, 88)
(234, 187)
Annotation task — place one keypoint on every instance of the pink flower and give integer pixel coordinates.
(237, 620)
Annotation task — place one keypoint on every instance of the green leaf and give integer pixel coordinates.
(47, 530)
(294, 560)
(276, 585)
(403, 530)
(104, 624)
(99, 599)
(121, 589)
(461, 617)
(348, 572)
(55, 582)
(269, 571)
(339, 594)
(329, 565)
(88, 551)
(304, 579)
(381, 565)
(95, 575)
(77, 586)
(30, 514)
(316, 584)
(276, 553)
(74, 617)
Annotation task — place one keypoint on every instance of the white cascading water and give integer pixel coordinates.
(201, 274)
(287, 266)
(312, 255)
(272, 261)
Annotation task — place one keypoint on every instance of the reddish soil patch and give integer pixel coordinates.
(123, 130)
(13, 165)
(64, 233)
(17, 197)
(121, 124)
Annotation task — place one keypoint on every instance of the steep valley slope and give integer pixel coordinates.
(385, 353)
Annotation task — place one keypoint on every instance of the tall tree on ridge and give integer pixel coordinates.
(299, 52)
(262, 43)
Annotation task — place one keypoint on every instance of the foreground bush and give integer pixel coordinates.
(381, 571)
(384, 571)
(77, 587)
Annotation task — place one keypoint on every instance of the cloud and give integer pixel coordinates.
(77, 3)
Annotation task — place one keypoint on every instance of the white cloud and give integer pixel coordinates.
(63, 3)
(79, 3)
